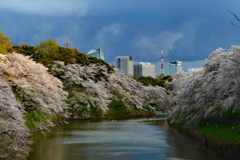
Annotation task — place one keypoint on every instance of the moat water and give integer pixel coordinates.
(126, 139)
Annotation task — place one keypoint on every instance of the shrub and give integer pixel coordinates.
(5, 44)
(25, 50)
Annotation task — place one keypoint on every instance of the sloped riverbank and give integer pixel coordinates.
(221, 134)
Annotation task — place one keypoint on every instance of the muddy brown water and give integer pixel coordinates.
(126, 139)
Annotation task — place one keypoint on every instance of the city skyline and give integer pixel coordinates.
(185, 65)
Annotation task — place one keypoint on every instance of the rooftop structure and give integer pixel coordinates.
(98, 53)
(175, 67)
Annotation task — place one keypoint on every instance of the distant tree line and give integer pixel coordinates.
(153, 81)
(48, 51)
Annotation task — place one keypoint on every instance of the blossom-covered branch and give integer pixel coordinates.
(207, 91)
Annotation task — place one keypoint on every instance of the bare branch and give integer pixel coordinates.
(236, 18)
(234, 15)
(235, 25)
(67, 44)
(5, 132)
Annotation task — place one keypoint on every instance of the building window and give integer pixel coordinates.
(119, 62)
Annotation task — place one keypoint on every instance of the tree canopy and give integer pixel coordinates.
(5, 44)
(153, 81)
(208, 91)
(48, 50)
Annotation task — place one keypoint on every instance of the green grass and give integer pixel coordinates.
(70, 96)
(76, 88)
(80, 112)
(19, 98)
(142, 111)
(117, 106)
(94, 111)
(225, 133)
(147, 110)
(222, 133)
(230, 112)
(17, 94)
(34, 117)
(181, 121)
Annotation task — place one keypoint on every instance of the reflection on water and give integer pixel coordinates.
(125, 139)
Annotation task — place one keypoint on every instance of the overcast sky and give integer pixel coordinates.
(188, 30)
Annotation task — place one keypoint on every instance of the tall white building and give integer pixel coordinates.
(125, 63)
(175, 67)
(144, 69)
(98, 53)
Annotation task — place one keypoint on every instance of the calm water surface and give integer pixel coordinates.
(127, 139)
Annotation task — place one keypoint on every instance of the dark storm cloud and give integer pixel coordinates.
(187, 30)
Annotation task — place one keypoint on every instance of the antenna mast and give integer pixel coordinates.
(162, 65)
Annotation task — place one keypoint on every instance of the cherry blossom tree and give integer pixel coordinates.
(92, 85)
(207, 91)
(14, 135)
(40, 93)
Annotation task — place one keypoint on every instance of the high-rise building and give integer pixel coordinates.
(144, 69)
(125, 63)
(98, 53)
(175, 67)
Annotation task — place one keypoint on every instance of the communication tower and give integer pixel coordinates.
(162, 65)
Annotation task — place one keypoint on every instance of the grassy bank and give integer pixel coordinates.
(117, 109)
(220, 133)
(225, 134)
